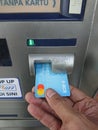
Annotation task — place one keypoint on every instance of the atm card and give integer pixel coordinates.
(45, 78)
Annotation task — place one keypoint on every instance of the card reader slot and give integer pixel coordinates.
(59, 62)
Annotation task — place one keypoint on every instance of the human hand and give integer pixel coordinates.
(78, 112)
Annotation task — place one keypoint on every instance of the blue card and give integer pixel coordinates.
(45, 78)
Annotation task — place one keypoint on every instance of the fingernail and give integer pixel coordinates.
(50, 93)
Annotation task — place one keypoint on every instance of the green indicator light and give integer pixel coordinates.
(30, 42)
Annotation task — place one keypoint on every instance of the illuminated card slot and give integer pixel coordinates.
(51, 42)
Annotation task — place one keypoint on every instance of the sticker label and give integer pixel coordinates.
(29, 6)
(45, 79)
(10, 88)
(75, 6)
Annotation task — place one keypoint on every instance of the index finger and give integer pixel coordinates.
(77, 95)
(44, 117)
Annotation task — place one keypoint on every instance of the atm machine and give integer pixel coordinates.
(56, 31)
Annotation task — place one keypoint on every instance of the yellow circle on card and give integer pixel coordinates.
(40, 91)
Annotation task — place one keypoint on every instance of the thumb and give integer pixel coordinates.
(59, 105)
